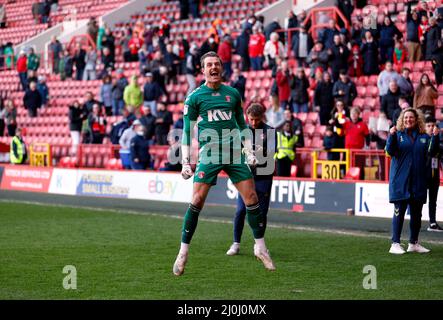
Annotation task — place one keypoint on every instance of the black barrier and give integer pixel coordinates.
(295, 195)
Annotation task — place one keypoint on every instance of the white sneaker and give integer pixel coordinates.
(179, 265)
(265, 258)
(233, 250)
(396, 248)
(417, 248)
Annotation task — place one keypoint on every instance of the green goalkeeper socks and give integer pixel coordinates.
(256, 220)
(190, 223)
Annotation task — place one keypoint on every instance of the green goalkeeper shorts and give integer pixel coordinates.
(207, 173)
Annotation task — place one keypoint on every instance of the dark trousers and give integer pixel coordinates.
(2, 127)
(138, 165)
(399, 217)
(263, 189)
(11, 129)
(438, 74)
(79, 74)
(284, 167)
(23, 80)
(161, 139)
(433, 193)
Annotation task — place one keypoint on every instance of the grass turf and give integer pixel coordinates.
(124, 256)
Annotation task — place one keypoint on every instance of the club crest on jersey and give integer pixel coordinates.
(218, 115)
(228, 98)
(201, 174)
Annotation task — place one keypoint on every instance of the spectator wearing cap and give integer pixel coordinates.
(369, 51)
(256, 47)
(344, 89)
(151, 93)
(302, 44)
(273, 49)
(118, 88)
(338, 55)
(140, 157)
(162, 124)
(318, 57)
(43, 89)
(125, 143)
(412, 37)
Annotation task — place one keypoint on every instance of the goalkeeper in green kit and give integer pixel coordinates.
(221, 130)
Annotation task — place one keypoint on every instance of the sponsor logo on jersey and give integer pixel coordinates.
(219, 115)
(216, 94)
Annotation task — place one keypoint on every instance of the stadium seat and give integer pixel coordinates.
(353, 174)
(293, 171)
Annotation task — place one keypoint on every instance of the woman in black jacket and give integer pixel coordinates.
(299, 91)
(77, 114)
(324, 99)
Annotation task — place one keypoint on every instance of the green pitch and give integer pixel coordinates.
(129, 256)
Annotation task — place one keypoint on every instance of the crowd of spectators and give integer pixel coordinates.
(334, 59)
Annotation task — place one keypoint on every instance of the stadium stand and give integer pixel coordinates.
(52, 124)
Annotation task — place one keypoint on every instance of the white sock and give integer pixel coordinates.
(260, 243)
(184, 248)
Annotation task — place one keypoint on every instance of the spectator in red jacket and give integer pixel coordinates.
(284, 90)
(134, 46)
(257, 42)
(22, 69)
(225, 54)
(355, 62)
(355, 130)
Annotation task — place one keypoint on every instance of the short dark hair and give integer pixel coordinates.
(209, 54)
(256, 110)
(430, 119)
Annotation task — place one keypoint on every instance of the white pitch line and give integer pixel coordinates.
(218, 220)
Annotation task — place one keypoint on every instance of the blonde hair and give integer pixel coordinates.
(418, 116)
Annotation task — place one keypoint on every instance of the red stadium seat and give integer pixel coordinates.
(353, 174)
(293, 170)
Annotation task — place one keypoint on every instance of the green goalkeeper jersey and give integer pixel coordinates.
(220, 119)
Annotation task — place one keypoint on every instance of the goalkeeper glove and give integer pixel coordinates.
(251, 159)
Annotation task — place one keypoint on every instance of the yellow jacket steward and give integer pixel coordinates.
(17, 151)
(285, 146)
